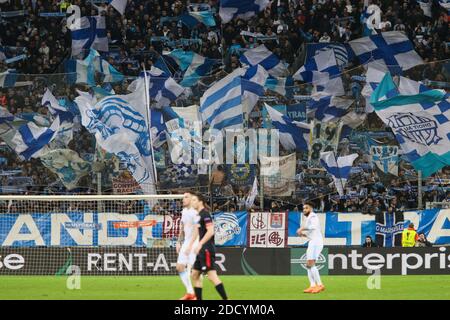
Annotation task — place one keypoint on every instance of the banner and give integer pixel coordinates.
(278, 175)
(267, 230)
(351, 229)
(389, 228)
(230, 228)
(324, 137)
(70, 229)
(132, 261)
(297, 112)
(241, 174)
(125, 185)
(385, 162)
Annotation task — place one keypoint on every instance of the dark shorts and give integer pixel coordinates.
(206, 260)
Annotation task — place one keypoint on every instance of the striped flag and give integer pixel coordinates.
(221, 105)
(265, 58)
(194, 65)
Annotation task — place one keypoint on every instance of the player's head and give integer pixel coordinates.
(198, 201)
(307, 208)
(187, 200)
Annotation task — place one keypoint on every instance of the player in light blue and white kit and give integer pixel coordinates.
(187, 242)
(311, 229)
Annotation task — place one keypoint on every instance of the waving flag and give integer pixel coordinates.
(342, 51)
(194, 65)
(319, 69)
(241, 9)
(265, 58)
(30, 140)
(89, 32)
(119, 5)
(221, 105)
(162, 88)
(8, 79)
(339, 168)
(193, 18)
(293, 135)
(83, 71)
(328, 108)
(68, 165)
(419, 121)
(425, 5)
(253, 81)
(445, 4)
(391, 49)
(120, 127)
(250, 200)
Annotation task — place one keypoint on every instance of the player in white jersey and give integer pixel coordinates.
(187, 242)
(311, 229)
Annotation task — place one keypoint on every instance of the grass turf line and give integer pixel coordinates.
(237, 287)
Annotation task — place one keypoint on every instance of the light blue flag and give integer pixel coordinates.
(419, 121)
(294, 135)
(120, 127)
(193, 18)
(68, 165)
(282, 86)
(241, 9)
(339, 168)
(8, 79)
(194, 65)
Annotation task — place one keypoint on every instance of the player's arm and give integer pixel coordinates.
(208, 235)
(193, 239)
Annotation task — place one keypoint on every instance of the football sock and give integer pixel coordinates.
(316, 275)
(310, 277)
(221, 290)
(186, 279)
(198, 293)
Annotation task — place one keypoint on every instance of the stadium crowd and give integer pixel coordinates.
(285, 26)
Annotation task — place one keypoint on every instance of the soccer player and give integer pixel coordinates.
(311, 230)
(205, 250)
(189, 238)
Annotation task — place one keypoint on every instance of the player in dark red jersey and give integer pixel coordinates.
(205, 250)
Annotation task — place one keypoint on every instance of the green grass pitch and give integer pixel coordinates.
(238, 288)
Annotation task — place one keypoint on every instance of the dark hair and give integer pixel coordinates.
(201, 198)
(309, 203)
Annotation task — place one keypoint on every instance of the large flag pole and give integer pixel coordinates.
(149, 123)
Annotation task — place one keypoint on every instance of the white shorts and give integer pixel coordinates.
(185, 259)
(313, 251)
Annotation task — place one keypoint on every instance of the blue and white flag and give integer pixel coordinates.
(445, 4)
(241, 9)
(365, 20)
(83, 71)
(87, 33)
(68, 165)
(252, 82)
(163, 89)
(319, 69)
(194, 65)
(120, 127)
(265, 58)
(250, 200)
(29, 140)
(8, 79)
(193, 18)
(391, 49)
(293, 135)
(339, 168)
(328, 108)
(119, 5)
(420, 123)
(221, 105)
(342, 51)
